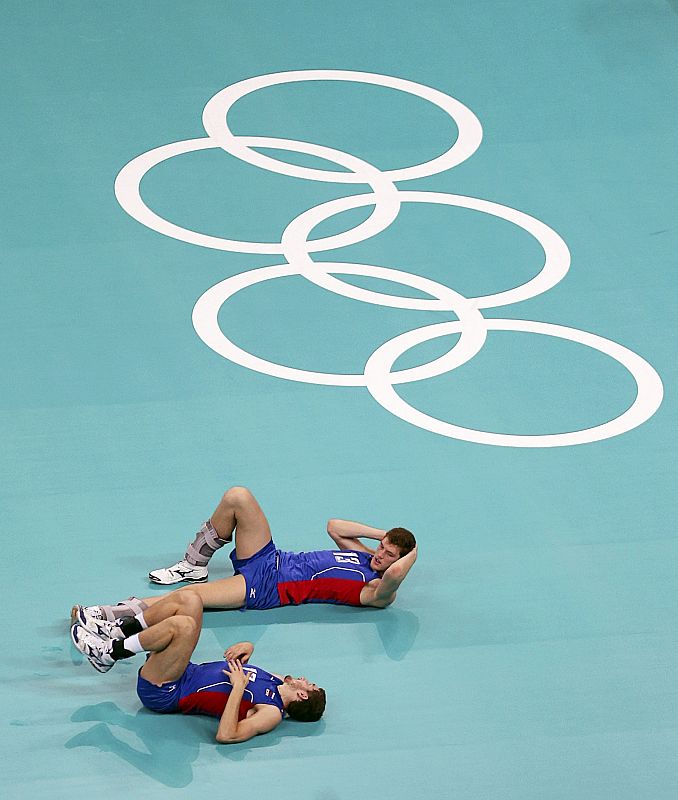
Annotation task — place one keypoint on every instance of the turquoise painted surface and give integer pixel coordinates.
(544, 602)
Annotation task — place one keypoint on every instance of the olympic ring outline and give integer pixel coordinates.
(128, 194)
(377, 375)
(554, 269)
(215, 122)
(647, 401)
(206, 310)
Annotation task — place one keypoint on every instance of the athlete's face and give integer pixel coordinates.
(300, 684)
(385, 554)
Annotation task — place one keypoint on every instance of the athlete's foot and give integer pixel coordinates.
(82, 614)
(94, 620)
(181, 571)
(93, 647)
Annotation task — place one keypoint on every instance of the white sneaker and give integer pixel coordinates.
(181, 571)
(80, 613)
(93, 647)
(94, 620)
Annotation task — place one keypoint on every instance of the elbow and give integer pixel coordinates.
(222, 739)
(226, 736)
(332, 528)
(383, 597)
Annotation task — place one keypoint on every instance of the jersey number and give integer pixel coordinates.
(346, 558)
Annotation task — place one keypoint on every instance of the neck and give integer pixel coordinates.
(287, 694)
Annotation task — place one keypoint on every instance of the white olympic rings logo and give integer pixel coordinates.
(295, 246)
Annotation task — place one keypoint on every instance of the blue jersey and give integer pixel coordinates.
(276, 578)
(205, 688)
(323, 576)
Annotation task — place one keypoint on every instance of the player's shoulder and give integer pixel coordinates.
(267, 711)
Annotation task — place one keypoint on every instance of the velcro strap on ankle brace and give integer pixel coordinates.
(135, 604)
(212, 538)
(206, 536)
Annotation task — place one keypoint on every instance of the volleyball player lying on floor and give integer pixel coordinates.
(265, 577)
(247, 699)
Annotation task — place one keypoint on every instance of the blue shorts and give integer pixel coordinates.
(164, 699)
(261, 577)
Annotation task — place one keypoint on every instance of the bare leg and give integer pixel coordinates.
(224, 593)
(171, 641)
(239, 511)
(179, 603)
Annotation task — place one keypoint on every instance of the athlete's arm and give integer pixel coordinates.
(347, 534)
(240, 651)
(262, 720)
(381, 592)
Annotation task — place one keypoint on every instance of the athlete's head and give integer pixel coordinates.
(397, 543)
(308, 701)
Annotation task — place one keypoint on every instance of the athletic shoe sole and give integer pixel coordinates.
(99, 667)
(178, 580)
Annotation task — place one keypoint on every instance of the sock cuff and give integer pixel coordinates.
(133, 645)
(141, 620)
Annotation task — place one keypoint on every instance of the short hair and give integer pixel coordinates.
(309, 710)
(403, 539)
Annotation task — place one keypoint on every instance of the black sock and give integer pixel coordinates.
(118, 651)
(130, 626)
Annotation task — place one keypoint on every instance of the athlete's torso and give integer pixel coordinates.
(206, 688)
(323, 576)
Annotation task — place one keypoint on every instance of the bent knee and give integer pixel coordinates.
(183, 625)
(189, 601)
(239, 496)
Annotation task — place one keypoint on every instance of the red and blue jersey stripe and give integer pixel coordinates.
(323, 576)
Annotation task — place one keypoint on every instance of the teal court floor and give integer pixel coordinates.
(487, 357)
